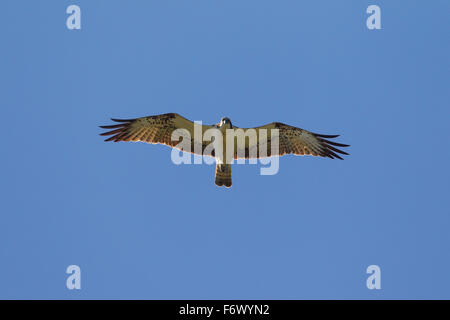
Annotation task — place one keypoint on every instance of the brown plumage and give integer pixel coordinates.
(292, 140)
(223, 175)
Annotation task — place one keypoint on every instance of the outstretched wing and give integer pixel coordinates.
(156, 129)
(292, 140)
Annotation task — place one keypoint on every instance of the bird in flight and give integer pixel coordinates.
(274, 139)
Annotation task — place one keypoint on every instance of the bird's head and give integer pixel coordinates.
(225, 121)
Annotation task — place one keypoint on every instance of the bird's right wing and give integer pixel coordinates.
(157, 129)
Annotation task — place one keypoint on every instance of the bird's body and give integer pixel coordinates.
(223, 170)
(274, 139)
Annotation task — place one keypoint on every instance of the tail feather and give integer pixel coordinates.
(223, 175)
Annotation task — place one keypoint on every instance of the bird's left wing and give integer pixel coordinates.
(157, 129)
(291, 140)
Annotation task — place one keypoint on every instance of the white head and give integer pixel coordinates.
(225, 121)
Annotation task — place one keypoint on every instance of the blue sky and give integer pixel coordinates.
(141, 227)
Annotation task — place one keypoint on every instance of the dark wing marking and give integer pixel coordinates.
(155, 129)
(292, 140)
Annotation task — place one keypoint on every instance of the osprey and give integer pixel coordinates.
(290, 140)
